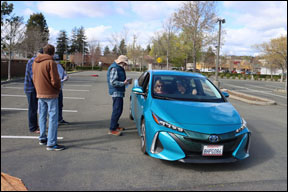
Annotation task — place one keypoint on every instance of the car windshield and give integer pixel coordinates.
(185, 88)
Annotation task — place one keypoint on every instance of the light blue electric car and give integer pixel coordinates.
(182, 116)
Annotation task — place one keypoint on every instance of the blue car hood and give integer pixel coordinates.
(198, 116)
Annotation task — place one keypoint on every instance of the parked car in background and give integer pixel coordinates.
(191, 70)
(184, 117)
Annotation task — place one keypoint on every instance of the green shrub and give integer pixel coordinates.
(228, 75)
(276, 78)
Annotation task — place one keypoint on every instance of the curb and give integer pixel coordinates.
(249, 98)
(12, 80)
(280, 91)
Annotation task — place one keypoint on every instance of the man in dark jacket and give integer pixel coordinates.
(30, 92)
(47, 84)
(116, 78)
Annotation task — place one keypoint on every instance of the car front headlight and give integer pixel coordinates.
(165, 124)
(243, 126)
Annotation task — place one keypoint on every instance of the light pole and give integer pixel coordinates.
(216, 82)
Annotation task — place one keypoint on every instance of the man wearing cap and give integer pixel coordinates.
(116, 78)
(30, 92)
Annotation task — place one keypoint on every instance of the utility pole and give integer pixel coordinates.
(216, 82)
(83, 54)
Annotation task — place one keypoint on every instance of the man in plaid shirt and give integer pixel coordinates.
(116, 78)
(30, 92)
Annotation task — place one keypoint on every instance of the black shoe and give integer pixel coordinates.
(63, 122)
(55, 148)
(43, 142)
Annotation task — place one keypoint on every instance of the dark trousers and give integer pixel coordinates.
(117, 111)
(32, 111)
(60, 105)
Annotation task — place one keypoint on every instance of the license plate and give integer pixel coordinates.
(212, 150)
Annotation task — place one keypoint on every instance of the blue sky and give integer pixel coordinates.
(247, 22)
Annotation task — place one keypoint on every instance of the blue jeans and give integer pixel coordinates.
(60, 105)
(32, 111)
(48, 106)
(117, 111)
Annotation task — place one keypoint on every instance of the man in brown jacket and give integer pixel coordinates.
(47, 84)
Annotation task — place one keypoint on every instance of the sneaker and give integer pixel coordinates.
(120, 129)
(43, 142)
(63, 122)
(55, 148)
(115, 133)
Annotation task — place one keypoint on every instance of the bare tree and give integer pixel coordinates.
(77, 59)
(169, 28)
(93, 51)
(32, 42)
(116, 38)
(275, 52)
(197, 20)
(13, 30)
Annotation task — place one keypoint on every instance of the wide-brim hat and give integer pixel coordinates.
(122, 59)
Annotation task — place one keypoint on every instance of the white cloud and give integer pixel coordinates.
(98, 33)
(149, 10)
(71, 9)
(53, 34)
(28, 12)
(259, 22)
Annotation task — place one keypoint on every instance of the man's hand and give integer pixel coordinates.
(126, 82)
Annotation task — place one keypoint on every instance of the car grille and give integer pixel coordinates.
(193, 143)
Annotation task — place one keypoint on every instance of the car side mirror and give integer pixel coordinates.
(138, 91)
(225, 94)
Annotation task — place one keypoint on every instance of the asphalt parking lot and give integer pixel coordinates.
(95, 160)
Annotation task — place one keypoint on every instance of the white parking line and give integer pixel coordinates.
(74, 90)
(259, 87)
(5, 95)
(23, 109)
(63, 89)
(23, 137)
(252, 90)
(12, 87)
(79, 85)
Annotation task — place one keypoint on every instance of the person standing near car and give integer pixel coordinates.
(116, 78)
(30, 92)
(47, 84)
(63, 77)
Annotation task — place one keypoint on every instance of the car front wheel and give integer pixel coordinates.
(143, 137)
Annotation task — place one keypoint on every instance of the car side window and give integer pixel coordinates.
(141, 79)
(146, 82)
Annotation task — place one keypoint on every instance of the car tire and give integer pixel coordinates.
(130, 114)
(130, 111)
(143, 137)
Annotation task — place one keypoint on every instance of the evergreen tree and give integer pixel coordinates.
(6, 9)
(115, 50)
(73, 45)
(122, 48)
(36, 35)
(106, 51)
(148, 49)
(62, 44)
(37, 20)
(78, 40)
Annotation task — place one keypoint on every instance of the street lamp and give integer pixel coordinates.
(216, 82)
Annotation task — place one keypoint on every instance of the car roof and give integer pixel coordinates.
(172, 72)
